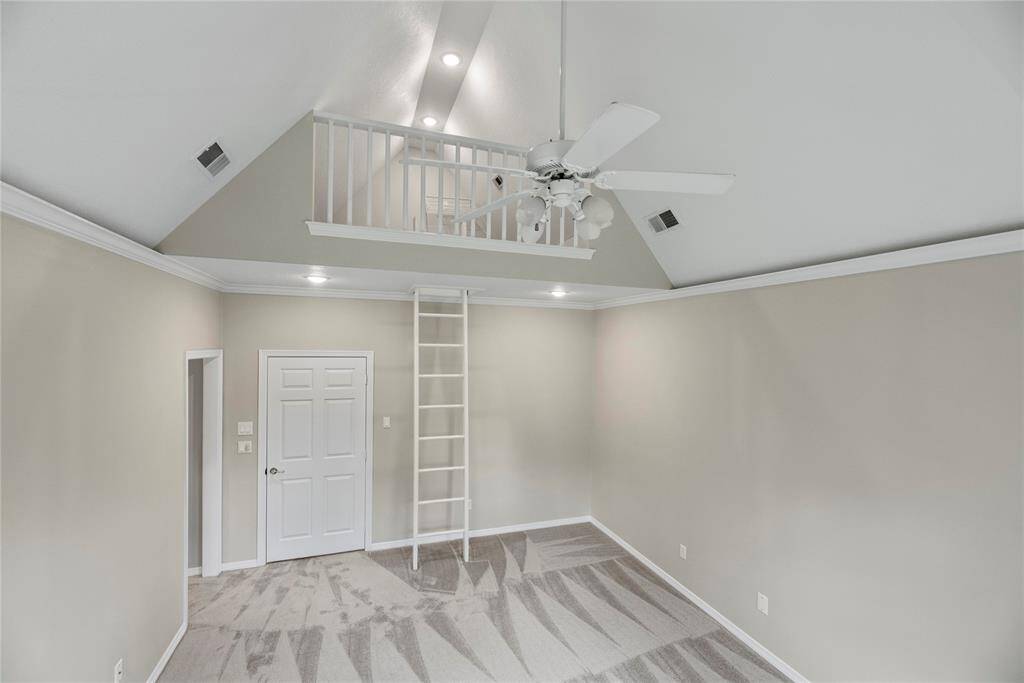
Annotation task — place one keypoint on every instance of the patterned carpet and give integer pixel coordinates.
(564, 603)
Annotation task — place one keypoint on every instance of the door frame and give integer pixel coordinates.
(261, 443)
(213, 441)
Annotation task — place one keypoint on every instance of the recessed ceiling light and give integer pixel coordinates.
(451, 59)
(558, 293)
(429, 121)
(317, 279)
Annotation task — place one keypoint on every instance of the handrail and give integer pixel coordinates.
(364, 124)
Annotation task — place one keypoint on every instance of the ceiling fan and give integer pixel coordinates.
(563, 170)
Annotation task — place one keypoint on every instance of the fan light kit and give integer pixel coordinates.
(317, 279)
(451, 59)
(563, 171)
(429, 121)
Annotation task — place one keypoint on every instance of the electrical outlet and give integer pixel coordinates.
(245, 446)
(682, 551)
(119, 671)
(762, 603)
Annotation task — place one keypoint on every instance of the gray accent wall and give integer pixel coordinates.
(260, 215)
(850, 447)
(93, 455)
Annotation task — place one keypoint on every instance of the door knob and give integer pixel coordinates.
(274, 470)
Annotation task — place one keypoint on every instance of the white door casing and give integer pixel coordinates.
(316, 442)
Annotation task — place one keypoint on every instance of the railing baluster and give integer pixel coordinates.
(574, 241)
(472, 189)
(405, 182)
(490, 162)
(519, 180)
(387, 179)
(461, 228)
(330, 171)
(440, 188)
(348, 202)
(547, 228)
(422, 227)
(504, 191)
(369, 176)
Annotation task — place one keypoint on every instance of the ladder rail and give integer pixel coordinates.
(467, 502)
(416, 432)
(417, 437)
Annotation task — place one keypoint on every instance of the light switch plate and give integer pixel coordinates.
(682, 551)
(386, 422)
(762, 603)
(245, 446)
(245, 428)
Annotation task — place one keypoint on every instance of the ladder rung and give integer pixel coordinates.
(443, 436)
(440, 315)
(443, 405)
(439, 346)
(439, 533)
(442, 500)
(442, 469)
(442, 374)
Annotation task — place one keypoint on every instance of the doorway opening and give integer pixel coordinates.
(204, 396)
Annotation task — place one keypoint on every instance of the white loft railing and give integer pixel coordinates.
(375, 181)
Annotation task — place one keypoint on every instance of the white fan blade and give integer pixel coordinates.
(487, 208)
(618, 126)
(444, 163)
(664, 181)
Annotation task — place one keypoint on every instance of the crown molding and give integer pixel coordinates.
(972, 247)
(372, 295)
(28, 207)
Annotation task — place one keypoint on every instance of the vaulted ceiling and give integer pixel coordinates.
(852, 128)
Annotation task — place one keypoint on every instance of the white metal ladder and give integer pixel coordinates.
(418, 345)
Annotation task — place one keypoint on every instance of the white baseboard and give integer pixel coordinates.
(732, 628)
(401, 543)
(159, 668)
(241, 564)
(193, 571)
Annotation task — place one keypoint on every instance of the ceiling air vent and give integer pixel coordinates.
(661, 222)
(213, 159)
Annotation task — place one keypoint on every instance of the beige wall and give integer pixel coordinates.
(849, 447)
(530, 385)
(93, 455)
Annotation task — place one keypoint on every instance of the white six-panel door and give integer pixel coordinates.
(316, 456)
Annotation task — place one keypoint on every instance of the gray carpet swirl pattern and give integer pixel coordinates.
(555, 604)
